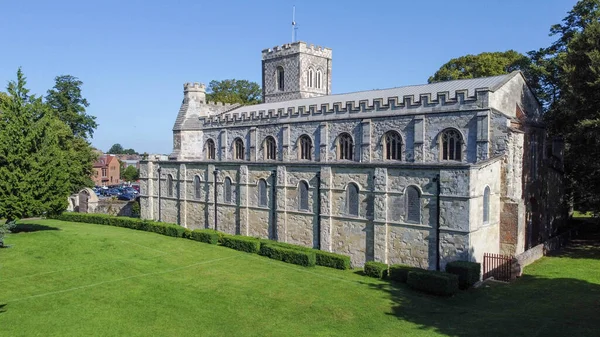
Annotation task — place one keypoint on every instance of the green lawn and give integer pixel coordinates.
(71, 279)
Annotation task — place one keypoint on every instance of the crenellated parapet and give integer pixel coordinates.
(328, 107)
(294, 48)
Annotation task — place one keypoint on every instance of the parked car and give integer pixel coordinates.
(126, 196)
(113, 192)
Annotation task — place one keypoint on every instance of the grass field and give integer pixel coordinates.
(71, 279)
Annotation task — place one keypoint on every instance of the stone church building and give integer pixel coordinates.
(419, 175)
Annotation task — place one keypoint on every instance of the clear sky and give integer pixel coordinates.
(134, 56)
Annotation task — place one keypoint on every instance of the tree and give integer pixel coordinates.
(234, 91)
(34, 163)
(66, 100)
(131, 174)
(116, 149)
(574, 113)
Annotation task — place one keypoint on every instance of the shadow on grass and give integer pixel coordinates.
(31, 227)
(2, 310)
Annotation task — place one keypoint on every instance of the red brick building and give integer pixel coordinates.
(107, 170)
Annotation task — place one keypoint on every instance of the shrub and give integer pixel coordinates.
(433, 282)
(332, 260)
(399, 272)
(468, 272)
(242, 243)
(135, 209)
(376, 269)
(295, 256)
(205, 235)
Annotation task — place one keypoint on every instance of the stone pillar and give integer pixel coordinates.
(252, 145)
(483, 126)
(285, 143)
(419, 132)
(210, 197)
(380, 225)
(223, 145)
(244, 200)
(147, 190)
(182, 195)
(365, 146)
(326, 208)
(281, 213)
(324, 141)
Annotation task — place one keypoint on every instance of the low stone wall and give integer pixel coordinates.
(114, 207)
(530, 256)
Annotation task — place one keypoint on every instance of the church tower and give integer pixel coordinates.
(295, 70)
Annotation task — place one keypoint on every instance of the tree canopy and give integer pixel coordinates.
(234, 91)
(118, 149)
(69, 105)
(130, 174)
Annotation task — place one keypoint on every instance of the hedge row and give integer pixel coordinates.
(241, 243)
(204, 235)
(295, 256)
(399, 272)
(325, 259)
(433, 282)
(468, 272)
(376, 269)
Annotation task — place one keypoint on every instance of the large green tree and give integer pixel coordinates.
(34, 166)
(130, 174)
(234, 91)
(118, 149)
(69, 105)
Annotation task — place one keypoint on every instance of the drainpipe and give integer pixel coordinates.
(274, 203)
(319, 210)
(216, 172)
(159, 217)
(437, 227)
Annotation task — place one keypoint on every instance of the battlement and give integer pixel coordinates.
(195, 86)
(295, 47)
(221, 104)
(362, 108)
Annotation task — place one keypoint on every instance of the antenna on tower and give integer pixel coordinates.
(294, 28)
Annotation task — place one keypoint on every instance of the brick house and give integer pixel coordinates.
(107, 170)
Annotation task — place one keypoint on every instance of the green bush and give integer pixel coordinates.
(295, 256)
(468, 272)
(433, 282)
(205, 235)
(399, 272)
(332, 260)
(241, 243)
(376, 269)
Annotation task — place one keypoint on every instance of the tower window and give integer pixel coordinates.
(392, 145)
(238, 149)
(413, 205)
(318, 79)
(270, 148)
(227, 193)
(303, 196)
(209, 149)
(170, 186)
(352, 199)
(197, 187)
(486, 205)
(451, 145)
(305, 144)
(280, 78)
(262, 193)
(310, 78)
(345, 146)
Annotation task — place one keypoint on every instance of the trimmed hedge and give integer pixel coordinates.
(205, 235)
(433, 282)
(399, 272)
(241, 243)
(376, 269)
(325, 259)
(468, 272)
(295, 256)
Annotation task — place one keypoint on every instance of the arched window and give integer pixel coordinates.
(451, 145)
(170, 189)
(413, 205)
(310, 78)
(197, 187)
(392, 146)
(209, 149)
(227, 190)
(280, 79)
(318, 79)
(262, 193)
(303, 196)
(345, 146)
(238, 149)
(486, 205)
(352, 199)
(305, 145)
(270, 148)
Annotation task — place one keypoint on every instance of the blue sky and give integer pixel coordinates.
(134, 56)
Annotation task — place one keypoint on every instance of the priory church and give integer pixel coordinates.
(418, 175)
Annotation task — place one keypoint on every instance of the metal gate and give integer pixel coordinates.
(497, 266)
